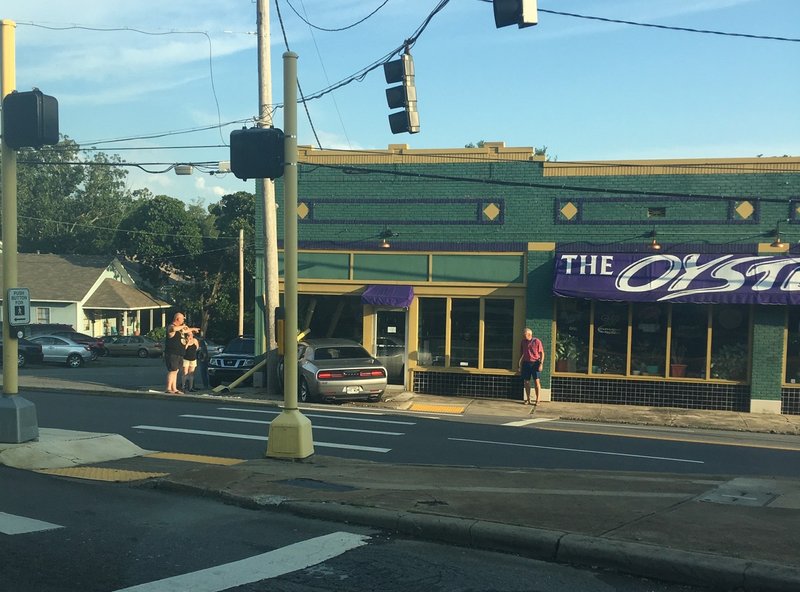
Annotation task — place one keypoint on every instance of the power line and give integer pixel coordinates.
(384, 3)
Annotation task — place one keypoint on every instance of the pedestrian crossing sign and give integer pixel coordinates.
(19, 306)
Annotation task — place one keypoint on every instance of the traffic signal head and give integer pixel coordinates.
(522, 13)
(402, 96)
(257, 153)
(30, 119)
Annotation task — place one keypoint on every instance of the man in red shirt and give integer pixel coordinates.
(530, 363)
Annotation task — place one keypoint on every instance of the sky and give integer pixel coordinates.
(164, 83)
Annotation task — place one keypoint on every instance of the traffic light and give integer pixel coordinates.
(522, 13)
(30, 119)
(404, 95)
(257, 153)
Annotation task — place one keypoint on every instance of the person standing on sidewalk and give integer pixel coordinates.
(174, 348)
(189, 363)
(530, 363)
(202, 362)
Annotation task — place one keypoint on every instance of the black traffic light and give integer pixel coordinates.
(404, 95)
(30, 119)
(515, 12)
(257, 153)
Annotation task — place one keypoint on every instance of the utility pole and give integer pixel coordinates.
(241, 281)
(290, 434)
(267, 283)
(18, 421)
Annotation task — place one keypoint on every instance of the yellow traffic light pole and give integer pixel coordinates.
(290, 433)
(18, 421)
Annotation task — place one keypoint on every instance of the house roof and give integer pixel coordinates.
(118, 296)
(70, 278)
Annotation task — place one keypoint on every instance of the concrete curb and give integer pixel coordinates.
(651, 561)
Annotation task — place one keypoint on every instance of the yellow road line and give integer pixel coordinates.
(669, 438)
(436, 408)
(196, 458)
(101, 474)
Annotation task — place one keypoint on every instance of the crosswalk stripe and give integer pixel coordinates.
(260, 567)
(261, 438)
(321, 416)
(11, 524)
(316, 427)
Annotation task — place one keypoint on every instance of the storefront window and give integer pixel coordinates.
(331, 316)
(729, 343)
(498, 333)
(432, 328)
(465, 318)
(648, 336)
(572, 335)
(689, 340)
(793, 347)
(610, 338)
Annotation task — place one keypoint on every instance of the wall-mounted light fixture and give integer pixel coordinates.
(654, 245)
(385, 235)
(778, 242)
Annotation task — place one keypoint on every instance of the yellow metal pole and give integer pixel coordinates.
(9, 173)
(290, 433)
(18, 422)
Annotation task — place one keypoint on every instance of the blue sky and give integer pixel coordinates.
(588, 90)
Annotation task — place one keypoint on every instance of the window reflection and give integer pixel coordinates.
(610, 338)
(432, 327)
(572, 335)
(729, 343)
(498, 333)
(465, 317)
(689, 339)
(648, 336)
(793, 347)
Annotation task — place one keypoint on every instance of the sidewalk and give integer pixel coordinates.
(710, 530)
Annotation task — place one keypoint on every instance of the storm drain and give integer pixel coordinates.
(319, 485)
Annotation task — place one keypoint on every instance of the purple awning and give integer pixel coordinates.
(696, 278)
(384, 295)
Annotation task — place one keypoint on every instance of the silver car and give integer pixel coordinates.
(338, 370)
(62, 349)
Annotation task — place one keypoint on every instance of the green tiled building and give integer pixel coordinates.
(470, 245)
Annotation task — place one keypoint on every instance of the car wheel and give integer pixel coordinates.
(303, 392)
(94, 355)
(142, 353)
(74, 361)
(21, 360)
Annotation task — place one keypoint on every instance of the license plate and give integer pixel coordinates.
(352, 390)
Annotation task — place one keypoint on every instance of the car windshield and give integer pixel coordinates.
(340, 353)
(241, 346)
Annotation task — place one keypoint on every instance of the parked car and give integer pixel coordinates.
(237, 358)
(213, 348)
(27, 353)
(134, 345)
(96, 344)
(64, 350)
(337, 370)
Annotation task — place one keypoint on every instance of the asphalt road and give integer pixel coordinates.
(62, 535)
(240, 431)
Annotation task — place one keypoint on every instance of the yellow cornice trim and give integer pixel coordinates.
(401, 153)
(541, 246)
(686, 166)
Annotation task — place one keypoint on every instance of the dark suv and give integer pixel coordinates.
(237, 358)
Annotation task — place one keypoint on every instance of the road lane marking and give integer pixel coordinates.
(316, 427)
(665, 435)
(261, 438)
(525, 422)
(578, 450)
(11, 524)
(260, 567)
(317, 415)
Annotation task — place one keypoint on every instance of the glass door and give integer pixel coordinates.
(390, 342)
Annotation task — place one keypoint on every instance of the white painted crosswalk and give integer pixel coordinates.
(260, 567)
(368, 432)
(12, 524)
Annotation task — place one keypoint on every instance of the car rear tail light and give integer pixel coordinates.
(329, 375)
(377, 373)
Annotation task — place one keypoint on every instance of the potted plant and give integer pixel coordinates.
(677, 367)
(729, 362)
